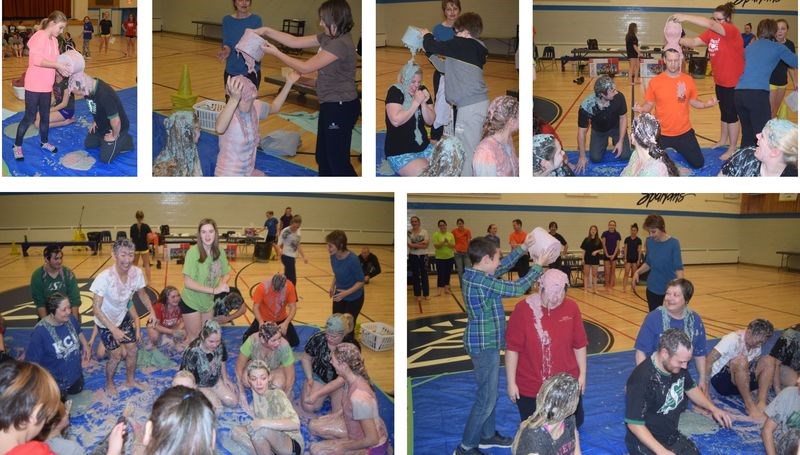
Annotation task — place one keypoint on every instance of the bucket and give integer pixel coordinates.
(412, 39)
(73, 61)
(250, 48)
(546, 245)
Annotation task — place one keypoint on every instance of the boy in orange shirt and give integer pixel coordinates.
(275, 300)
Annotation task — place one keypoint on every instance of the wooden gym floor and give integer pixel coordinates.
(171, 51)
(314, 280)
(558, 87)
(727, 297)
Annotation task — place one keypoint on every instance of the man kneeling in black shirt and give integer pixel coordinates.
(109, 132)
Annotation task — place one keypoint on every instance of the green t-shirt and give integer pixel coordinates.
(206, 274)
(445, 251)
(43, 286)
(281, 357)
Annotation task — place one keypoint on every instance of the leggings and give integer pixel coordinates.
(654, 300)
(686, 144)
(419, 274)
(334, 136)
(351, 307)
(444, 268)
(753, 109)
(289, 269)
(35, 102)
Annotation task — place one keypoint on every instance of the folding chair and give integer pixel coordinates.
(549, 55)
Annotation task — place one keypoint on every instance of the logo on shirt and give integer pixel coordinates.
(680, 90)
(64, 348)
(673, 398)
(713, 46)
(92, 105)
(333, 126)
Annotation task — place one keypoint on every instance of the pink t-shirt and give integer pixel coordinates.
(493, 159)
(726, 53)
(237, 146)
(41, 47)
(359, 403)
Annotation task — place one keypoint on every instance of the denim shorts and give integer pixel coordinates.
(398, 162)
(67, 113)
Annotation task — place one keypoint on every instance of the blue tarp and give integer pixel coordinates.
(208, 149)
(439, 418)
(610, 166)
(93, 415)
(69, 139)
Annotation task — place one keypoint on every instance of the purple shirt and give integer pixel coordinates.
(611, 238)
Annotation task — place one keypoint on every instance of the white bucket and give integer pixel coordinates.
(412, 38)
(74, 62)
(546, 245)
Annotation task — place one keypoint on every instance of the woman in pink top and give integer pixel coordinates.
(495, 155)
(130, 34)
(237, 125)
(39, 79)
(358, 427)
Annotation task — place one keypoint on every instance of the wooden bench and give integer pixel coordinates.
(300, 88)
(93, 245)
(785, 258)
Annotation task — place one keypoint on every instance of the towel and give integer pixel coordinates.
(281, 143)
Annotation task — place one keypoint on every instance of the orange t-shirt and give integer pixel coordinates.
(672, 96)
(462, 236)
(273, 304)
(517, 238)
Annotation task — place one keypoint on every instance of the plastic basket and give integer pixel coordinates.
(19, 92)
(377, 336)
(207, 112)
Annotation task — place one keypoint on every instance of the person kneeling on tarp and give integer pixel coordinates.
(109, 132)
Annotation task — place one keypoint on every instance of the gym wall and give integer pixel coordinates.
(567, 25)
(367, 218)
(177, 15)
(709, 226)
(500, 17)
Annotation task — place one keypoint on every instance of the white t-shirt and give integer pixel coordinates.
(289, 241)
(730, 346)
(115, 293)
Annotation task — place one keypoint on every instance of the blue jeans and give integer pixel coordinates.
(462, 263)
(481, 421)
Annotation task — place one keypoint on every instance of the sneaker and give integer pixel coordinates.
(497, 440)
(18, 153)
(48, 147)
(462, 451)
